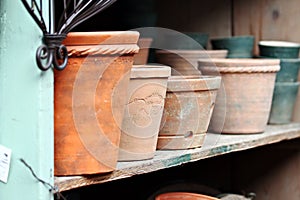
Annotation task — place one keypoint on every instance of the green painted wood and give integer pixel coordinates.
(26, 105)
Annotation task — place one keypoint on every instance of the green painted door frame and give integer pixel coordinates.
(26, 106)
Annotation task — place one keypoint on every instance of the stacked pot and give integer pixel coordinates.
(286, 86)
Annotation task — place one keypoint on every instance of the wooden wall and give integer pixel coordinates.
(265, 19)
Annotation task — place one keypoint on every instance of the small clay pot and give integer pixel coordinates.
(279, 49)
(183, 195)
(244, 105)
(143, 112)
(289, 69)
(141, 58)
(237, 46)
(185, 62)
(188, 107)
(283, 103)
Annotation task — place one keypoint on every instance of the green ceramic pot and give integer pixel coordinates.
(289, 69)
(279, 49)
(283, 102)
(185, 41)
(201, 38)
(237, 46)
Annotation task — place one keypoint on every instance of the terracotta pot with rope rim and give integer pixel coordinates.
(246, 101)
(89, 101)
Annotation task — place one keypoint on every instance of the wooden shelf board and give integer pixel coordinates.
(214, 145)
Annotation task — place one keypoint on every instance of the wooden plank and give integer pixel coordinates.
(267, 19)
(214, 145)
(212, 17)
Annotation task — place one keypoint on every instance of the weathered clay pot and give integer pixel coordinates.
(279, 49)
(244, 104)
(141, 58)
(185, 62)
(89, 101)
(289, 69)
(188, 107)
(143, 112)
(237, 46)
(285, 94)
(183, 195)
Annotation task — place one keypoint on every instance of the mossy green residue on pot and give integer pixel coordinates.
(284, 98)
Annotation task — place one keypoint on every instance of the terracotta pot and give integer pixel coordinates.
(185, 62)
(89, 101)
(183, 195)
(244, 105)
(143, 113)
(279, 49)
(237, 46)
(141, 58)
(285, 94)
(188, 107)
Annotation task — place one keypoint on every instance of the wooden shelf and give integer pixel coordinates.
(214, 145)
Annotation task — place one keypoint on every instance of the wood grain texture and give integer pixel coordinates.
(214, 145)
(267, 20)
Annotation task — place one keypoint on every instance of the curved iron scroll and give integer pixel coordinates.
(52, 52)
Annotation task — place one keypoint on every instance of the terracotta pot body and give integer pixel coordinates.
(289, 69)
(285, 94)
(185, 62)
(89, 101)
(189, 104)
(279, 49)
(244, 105)
(237, 46)
(141, 58)
(143, 112)
(183, 195)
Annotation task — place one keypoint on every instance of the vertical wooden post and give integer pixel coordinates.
(26, 105)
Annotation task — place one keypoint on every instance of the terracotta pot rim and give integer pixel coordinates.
(150, 71)
(192, 51)
(180, 194)
(278, 43)
(238, 62)
(193, 83)
(101, 37)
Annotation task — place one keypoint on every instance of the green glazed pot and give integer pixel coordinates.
(201, 38)
(186, 41)
(283, 102)
(237, 46)
(289, 69)
(279, 49)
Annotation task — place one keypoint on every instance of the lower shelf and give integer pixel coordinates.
(214, 145)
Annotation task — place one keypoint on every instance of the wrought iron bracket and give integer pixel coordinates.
(52, 53)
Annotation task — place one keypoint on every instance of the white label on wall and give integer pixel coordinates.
(5, 155)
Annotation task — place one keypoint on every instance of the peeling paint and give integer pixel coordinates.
(177, 161)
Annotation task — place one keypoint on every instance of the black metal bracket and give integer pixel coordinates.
(52, 53)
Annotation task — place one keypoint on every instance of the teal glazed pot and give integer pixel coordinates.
(284, 98)
(201, 38)
(289, 69)
(185, 41)
(237, 46)
(279, 49)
